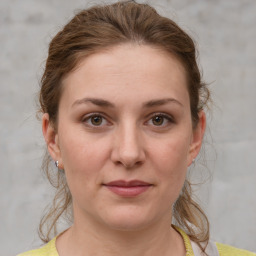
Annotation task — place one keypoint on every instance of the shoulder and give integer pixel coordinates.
(227, 250)
(47, 250)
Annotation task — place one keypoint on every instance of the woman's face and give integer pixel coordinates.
(125, 136)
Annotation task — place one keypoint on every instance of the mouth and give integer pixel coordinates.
(131, 188)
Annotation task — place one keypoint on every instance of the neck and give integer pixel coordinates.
(94, 239)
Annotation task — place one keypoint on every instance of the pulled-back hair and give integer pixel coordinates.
(98, 28)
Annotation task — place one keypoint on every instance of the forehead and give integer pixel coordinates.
(137, 71)
(130, 57)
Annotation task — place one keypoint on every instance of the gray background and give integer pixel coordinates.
(226, 36)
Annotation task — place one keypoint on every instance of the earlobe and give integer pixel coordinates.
(51, 138)
(197, 139)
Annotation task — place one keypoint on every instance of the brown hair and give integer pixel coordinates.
(102, 27)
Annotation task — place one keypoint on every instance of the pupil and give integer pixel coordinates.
(158, 120)
(96, 120)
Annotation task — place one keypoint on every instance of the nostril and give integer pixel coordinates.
(130, 163)
(129, 166)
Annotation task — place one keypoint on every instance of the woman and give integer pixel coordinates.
(122, 102)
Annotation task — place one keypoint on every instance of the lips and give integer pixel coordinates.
(128, 188)
(123, 183)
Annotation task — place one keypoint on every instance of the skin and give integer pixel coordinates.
(144, 132)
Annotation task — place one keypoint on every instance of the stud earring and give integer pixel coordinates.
(57, 163)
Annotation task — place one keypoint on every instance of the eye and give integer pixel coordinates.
(95, 120)
(160, 120)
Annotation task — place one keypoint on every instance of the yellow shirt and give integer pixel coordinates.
(224, 250)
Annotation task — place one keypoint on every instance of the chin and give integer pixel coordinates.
(128, 220)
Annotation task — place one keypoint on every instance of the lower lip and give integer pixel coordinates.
(128, 191)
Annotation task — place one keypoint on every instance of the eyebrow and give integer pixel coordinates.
(95, 101)
(160, 102)
(105, 103)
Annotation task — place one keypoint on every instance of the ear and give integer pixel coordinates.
(197, 138)
(51, 139)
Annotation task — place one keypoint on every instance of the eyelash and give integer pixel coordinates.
(89, 118)
(167, 120)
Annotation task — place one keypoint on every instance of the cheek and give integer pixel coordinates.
(171, 162)
(173, 152)
(83, 160)
(79, 149)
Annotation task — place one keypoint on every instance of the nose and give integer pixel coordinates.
(128, 149)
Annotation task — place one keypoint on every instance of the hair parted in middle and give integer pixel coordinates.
(105, 26)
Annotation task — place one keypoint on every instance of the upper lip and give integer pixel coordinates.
(131, 183)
